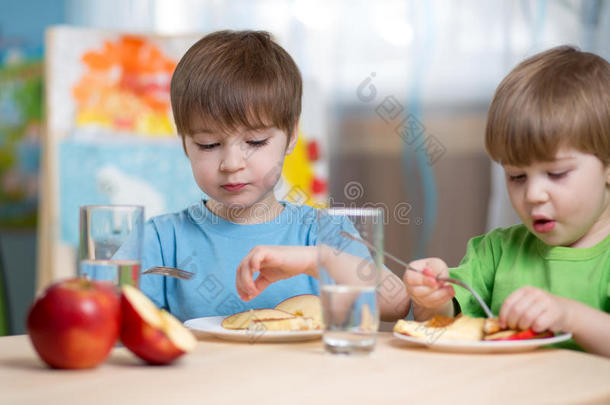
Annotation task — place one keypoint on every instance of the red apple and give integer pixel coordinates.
(151, 333)
(75, 323)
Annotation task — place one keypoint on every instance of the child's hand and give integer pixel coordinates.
(424, 289)
(273, 263)
(530, 307)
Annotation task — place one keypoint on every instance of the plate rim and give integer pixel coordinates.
(486, 344)
(217, 330)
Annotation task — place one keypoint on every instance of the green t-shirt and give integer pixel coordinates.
(506, 259)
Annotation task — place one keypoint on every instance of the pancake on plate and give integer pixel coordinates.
(305, 305)
(301, 312)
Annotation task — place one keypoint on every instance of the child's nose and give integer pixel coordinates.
(233, 159)
(536, 192)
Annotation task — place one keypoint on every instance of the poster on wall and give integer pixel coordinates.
(20, 131)
(122, 148)
(111, 139)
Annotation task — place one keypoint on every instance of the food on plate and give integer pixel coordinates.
(267, 319)
(301, 312)
(306, 305)
(75, 323)
(463, 328)
(152, 334)
(294, 323)
(443, 328)
(241, 320)
(493, 331)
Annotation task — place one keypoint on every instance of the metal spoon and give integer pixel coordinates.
(170, 271)
(409, 267)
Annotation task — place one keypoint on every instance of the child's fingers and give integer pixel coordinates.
(545, 321)
(439, 297)
(517, 309)
(507, 307)
(515, 305)
(431, 268)
(529, 316)
(245, 276)
(437, 266)
(261, 283)
(430, 278)
(432, 298)
(413, 278)
(244, 283)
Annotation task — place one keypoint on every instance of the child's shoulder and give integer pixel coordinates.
(509, 232)
(303, 214)
(512, 235)
(510, 241)
(191, 214)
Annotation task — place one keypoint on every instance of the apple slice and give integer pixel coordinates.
(152, 334)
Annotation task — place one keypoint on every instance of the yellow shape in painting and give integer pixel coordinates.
(154, 124)
(93, 116)
(298, 170)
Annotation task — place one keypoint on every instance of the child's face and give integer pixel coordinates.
(564, 202)
(241, 168)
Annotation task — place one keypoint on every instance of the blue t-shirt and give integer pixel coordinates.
(197, 240)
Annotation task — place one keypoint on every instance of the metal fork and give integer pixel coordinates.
(409, 267)
(170, 271)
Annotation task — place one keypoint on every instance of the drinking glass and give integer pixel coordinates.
(110, 243)
(349, 273)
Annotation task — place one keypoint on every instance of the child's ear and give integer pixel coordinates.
(292, 140)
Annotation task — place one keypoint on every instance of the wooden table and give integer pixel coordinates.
(220, 372)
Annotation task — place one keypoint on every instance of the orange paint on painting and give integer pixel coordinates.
(125, 87)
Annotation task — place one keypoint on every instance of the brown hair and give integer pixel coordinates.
(231, 79)
(560, 97)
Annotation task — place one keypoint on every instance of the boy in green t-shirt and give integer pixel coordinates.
(549, 127)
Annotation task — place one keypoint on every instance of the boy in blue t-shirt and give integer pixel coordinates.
(236, 100)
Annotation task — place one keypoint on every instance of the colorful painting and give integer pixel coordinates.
(122, 147)
(20, 130)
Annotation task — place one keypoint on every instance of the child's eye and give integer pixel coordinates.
(207, 146)
(557, 175)
(258, 144)
(517, 178)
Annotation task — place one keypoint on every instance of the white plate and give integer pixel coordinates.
(500, 346)
(211, 326)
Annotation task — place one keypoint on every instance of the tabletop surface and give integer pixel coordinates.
(222, 372)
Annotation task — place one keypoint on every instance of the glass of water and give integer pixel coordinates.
(349, 273)
(110, 243)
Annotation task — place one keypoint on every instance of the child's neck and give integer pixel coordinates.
(262, 211)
